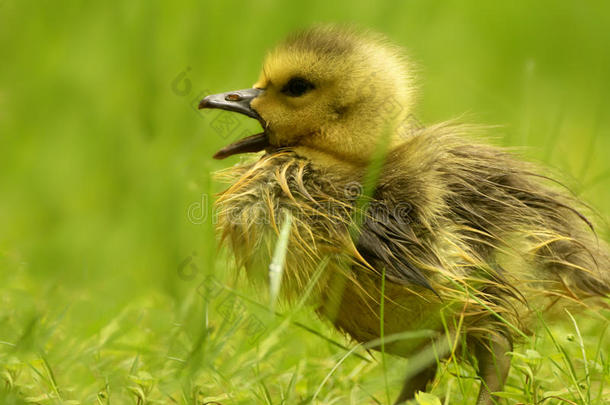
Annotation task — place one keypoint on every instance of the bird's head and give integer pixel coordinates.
(330, 89)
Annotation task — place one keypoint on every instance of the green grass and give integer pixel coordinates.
(112, 290)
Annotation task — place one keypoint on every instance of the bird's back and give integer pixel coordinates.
(481, 219)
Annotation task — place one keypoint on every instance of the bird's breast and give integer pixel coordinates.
(251, 211)
(321, 249)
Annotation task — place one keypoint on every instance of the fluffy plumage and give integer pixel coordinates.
(466, 234)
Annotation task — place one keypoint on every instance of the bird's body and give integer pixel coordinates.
(439, 225)
(461, 237)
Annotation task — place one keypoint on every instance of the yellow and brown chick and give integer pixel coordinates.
(446, 233)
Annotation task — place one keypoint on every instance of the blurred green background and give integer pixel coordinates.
(106, 234)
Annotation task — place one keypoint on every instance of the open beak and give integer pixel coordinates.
(238, 101)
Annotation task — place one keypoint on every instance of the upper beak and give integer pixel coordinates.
(238, 101)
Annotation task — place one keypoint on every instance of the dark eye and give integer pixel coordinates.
(297, 87)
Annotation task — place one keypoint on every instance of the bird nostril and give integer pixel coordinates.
(233, 97)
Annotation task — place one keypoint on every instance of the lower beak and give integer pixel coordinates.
(238, 101)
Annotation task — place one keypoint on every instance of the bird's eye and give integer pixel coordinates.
(297, 87)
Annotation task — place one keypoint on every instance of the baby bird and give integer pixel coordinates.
(443, 232)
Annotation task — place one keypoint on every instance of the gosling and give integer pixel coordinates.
(448, 234)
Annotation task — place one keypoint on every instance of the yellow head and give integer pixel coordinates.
(331, 89)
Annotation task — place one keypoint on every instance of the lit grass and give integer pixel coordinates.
(111, 287)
